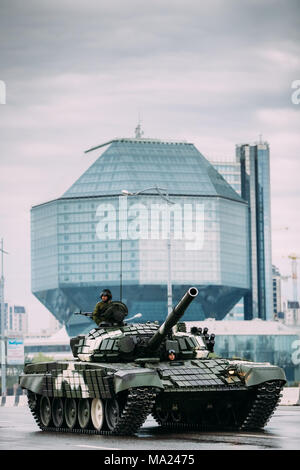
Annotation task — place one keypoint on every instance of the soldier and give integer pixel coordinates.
(101, 307)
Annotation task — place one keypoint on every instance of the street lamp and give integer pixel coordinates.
(159, 191)
(166, 198)
(2, 335)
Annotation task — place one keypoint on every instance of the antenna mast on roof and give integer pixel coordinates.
(138, 130)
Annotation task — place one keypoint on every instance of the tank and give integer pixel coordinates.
(122, 372)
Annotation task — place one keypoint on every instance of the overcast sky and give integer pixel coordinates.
(77, 74)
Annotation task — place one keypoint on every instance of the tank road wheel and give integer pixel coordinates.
(57, 412)
(225, 415)
(97, 413)
(161, 415)
(84, 413)
(45, 411)
(112, 413)
(176, 416)
(70, 410)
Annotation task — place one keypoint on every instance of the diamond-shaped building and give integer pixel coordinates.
(95, 237)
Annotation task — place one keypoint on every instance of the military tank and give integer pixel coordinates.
(122, 372)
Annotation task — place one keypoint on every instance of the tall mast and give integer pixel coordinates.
(2, 331)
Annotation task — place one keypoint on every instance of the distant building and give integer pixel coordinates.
(249, 175)
(15, 320)
(292, 313)
(255, 184)
(78, 248)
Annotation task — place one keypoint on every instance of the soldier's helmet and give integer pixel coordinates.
(107, 293)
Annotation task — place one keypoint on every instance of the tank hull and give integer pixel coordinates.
(116, 398)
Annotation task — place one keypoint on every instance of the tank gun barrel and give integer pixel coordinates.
(172, 318)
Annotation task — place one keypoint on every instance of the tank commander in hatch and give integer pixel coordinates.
(100, 308)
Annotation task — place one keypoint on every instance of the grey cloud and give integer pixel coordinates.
(52, 37)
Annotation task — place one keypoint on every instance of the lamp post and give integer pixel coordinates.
(121, 268)
(2, 335)
(165, 198)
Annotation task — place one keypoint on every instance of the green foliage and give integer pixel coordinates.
(40, 357)
(213, 355)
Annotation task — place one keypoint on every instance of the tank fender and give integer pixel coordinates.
(256, 374)
(125, 379)
(32, 382)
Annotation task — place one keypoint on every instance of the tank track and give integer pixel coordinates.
(266, 400)
(138, 406)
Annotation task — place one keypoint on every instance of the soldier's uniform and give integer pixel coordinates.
(99, 312)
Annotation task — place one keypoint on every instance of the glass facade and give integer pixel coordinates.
(44, 247)
(250, 177)
(231, 172)
(255, 185)
(136, 164)
(276, 349)
(93, 237)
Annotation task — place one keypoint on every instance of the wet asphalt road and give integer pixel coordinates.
(18, 431)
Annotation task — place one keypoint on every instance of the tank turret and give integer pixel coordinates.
(172, 319)
(126, 342)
